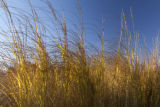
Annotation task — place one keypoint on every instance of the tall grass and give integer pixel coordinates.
(41, 70)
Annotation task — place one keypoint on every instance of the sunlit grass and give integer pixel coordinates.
(62, 74)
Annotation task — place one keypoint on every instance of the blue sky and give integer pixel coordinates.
(146, 15)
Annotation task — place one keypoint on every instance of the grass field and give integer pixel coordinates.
(40, 70)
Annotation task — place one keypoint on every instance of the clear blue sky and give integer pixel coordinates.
(146, 14)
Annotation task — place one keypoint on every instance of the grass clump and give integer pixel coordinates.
(47, 71)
